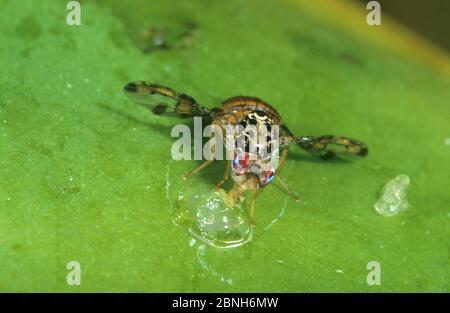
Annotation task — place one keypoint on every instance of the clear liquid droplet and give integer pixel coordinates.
(393, 196)
(212, 221)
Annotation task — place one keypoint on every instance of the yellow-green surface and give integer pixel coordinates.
(83, 170)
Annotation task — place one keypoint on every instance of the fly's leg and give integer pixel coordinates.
(252, 211)
(282, 160)
(212, 152)
(290, 193)
(225, 176)
(283, 157)
(253, 203)
(197, 169)
(256, 192)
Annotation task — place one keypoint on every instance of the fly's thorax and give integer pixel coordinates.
(241, 106)
(257, 135)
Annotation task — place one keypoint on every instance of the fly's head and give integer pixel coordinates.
(245, 169)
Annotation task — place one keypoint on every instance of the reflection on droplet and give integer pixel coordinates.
(210, 220)
(217, 224)
(204, 212)
(393, 197)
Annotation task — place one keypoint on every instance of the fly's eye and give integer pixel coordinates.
(266, 177)
(241, 164)
(264, 173)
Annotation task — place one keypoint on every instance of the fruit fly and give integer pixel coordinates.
(247, 172)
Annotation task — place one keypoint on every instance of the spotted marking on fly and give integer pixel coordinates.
(254, 124)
